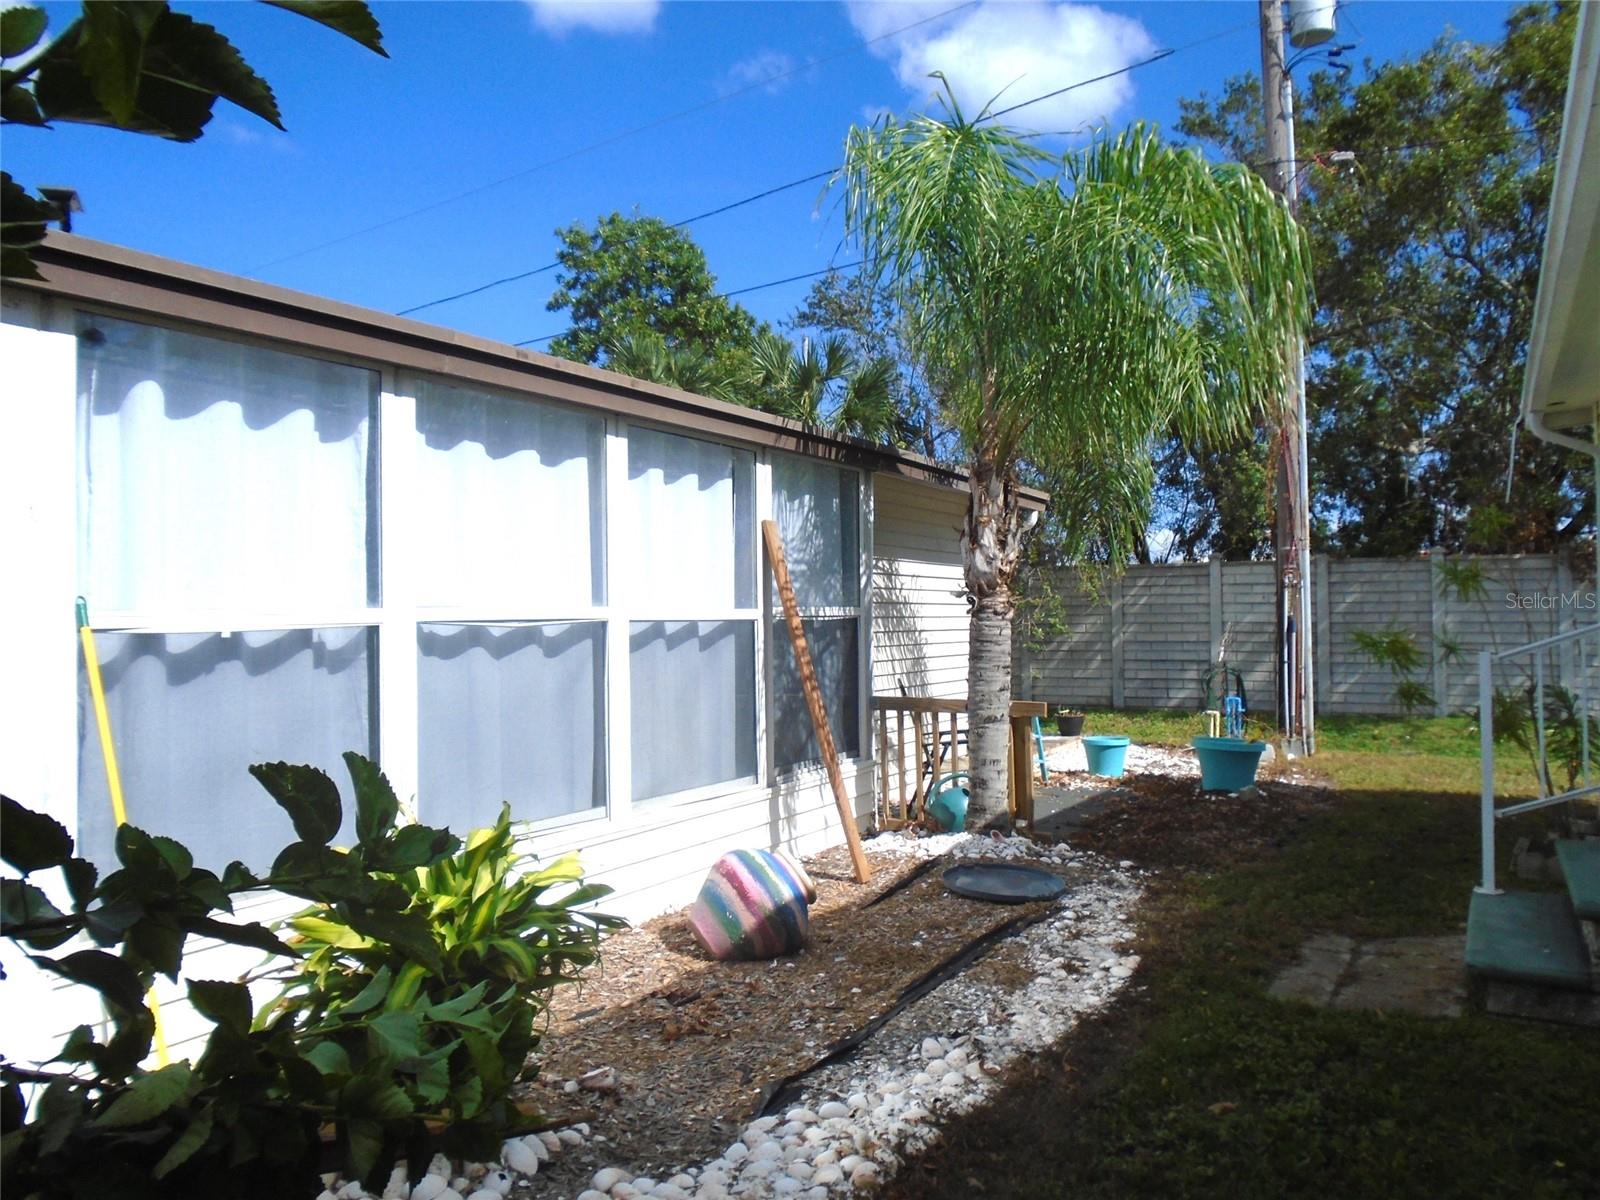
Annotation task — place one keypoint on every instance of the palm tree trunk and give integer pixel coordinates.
(991, 550)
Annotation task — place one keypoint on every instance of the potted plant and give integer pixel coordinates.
(1070, 722)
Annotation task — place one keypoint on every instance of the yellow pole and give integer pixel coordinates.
(119, 810)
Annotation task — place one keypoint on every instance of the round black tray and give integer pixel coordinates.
(1003, 883)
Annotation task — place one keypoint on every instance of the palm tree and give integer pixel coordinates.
(1078, 307)
(815, 383)
(823, 383)
(651, 357)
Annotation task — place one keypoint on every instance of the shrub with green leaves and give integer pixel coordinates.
(437, 1017)
(416, 1009)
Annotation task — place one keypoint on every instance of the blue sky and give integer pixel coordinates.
(489, 118)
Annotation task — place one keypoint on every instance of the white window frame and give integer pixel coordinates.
(626, 614)
(860, 612)
(228, 620)
(395, 615)
(403, 446)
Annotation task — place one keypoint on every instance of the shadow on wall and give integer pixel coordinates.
(900, 659)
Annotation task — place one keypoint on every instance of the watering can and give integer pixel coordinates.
(947, 801)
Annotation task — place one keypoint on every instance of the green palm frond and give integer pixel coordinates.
(1080, 311)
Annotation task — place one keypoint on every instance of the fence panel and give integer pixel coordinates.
(1161, 625)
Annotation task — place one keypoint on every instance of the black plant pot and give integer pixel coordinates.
(1070, 724)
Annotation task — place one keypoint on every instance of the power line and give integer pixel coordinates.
(550, 266)
(783, 187)
(767, 81)
(754, 287)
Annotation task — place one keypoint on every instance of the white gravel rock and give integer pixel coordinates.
(607, 1178)
(905, 1082)
(516, 1155)
(591, 1194)
(429, 1187)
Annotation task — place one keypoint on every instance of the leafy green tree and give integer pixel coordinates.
(1427, 250)
(1216, 497)
(630, 276)
(1077, 310)
(130, 65)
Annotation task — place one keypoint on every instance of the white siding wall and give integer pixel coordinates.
(919, 615)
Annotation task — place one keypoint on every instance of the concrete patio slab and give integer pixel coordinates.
(1423, 976)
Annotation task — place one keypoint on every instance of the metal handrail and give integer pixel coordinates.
(1544, 643)
(1488, 813)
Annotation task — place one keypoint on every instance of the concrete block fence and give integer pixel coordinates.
(1147, 642)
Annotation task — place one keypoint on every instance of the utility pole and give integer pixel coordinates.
(1291, 532)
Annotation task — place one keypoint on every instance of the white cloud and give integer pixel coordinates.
(1012, 50)
(602, 16)
(764, 68)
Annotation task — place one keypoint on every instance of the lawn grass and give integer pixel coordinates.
(1200, 1085)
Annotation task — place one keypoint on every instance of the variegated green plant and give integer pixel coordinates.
(443, 1024)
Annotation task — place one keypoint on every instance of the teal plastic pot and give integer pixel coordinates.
(1107, 754)
(1227, 764)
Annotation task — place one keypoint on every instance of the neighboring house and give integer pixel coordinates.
(1540, 950)
(1561, 386)
(303, 528)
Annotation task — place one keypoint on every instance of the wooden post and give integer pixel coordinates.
(882, 722)
(813, 694)
(1022, 714)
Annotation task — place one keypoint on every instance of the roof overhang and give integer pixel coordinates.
(81, 270)
(1561, 386)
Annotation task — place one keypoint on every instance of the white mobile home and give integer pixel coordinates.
(302, 528)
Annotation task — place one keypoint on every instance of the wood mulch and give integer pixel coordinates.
(695, 1041)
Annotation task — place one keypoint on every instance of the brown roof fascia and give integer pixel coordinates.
(79, 268)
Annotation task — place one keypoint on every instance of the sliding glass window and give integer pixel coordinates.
(227, 548)
(817, 508)
(685, 566)
(508, 539)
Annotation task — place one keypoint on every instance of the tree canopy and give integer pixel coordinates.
(1426, 246)
(627, 277)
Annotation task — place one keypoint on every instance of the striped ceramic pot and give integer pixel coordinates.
(754, 904)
